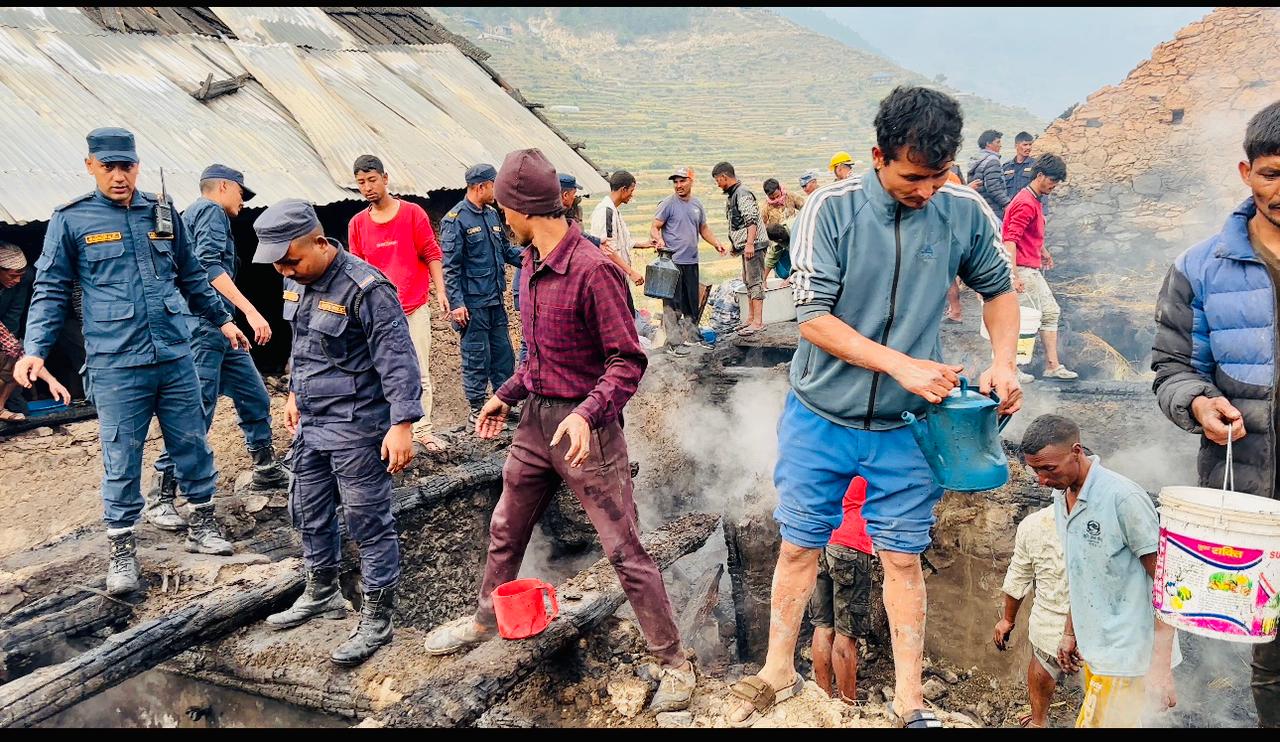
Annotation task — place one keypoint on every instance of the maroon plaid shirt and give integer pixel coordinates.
(580, 330)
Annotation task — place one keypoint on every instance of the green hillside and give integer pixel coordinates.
(656, 88)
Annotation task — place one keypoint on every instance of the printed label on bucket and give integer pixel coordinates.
(1215, 588)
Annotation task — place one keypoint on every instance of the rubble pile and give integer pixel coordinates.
(1151, 161)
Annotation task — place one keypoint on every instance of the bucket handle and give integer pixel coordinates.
(555, 605)
(1229, 473)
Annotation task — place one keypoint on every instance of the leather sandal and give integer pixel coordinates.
(761, 696)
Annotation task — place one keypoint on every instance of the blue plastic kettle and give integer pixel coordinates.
(960, 438)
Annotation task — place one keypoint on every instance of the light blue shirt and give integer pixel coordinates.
(1113, 524)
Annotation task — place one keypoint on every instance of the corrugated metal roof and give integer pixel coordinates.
(66, 20)
(47, 108)
(294, 26)
(464, 91)
(294, 129)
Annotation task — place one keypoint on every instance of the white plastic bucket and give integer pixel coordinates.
(779, 305)
(1028, 328)
(1218, 565)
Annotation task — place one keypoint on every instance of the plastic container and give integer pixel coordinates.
(1218, 564)
(1028, 329)
(779, 303)
(708, 335)
(520, 608)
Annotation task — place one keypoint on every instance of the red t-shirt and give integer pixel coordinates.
(1024, 227)
(852, 533)
(401, 249)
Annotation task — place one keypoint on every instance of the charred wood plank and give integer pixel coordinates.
(32, 628)
(459, 692)
(32, 631)
(42, 694)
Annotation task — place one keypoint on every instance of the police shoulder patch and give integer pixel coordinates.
(74, 201)
(366, 281)
(451, 215)
(94, 239)
(291, 295)
(328, 306)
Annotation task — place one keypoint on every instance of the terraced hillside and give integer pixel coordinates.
(743, 85)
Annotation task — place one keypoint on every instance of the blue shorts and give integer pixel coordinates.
(817, 459)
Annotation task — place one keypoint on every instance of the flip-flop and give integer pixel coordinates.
(914, 719)
(9, 416)
(762, 696)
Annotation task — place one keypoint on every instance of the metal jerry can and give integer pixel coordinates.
(662, 277)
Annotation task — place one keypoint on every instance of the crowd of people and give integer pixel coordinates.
(873, 260)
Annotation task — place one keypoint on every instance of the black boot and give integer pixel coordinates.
(203, 534)
(123, 573)
(268, 474)
(160, 511)
(373, 631)
(475, 414)
(322, 597)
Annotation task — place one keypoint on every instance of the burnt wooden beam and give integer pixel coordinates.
(460, 691)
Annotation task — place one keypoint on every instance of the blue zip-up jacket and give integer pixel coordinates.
(1216, 337)
(476, 251)
(137, 286)
(209, 230)
(883, 269)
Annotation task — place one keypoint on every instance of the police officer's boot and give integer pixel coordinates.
(373, 631)
(268, 474)
(475, 414)
(160, 511)
(203, 534)
(322, 597)
(123, 573)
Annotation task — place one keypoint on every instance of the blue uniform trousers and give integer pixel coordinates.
(487, 357)
(131, 396)
(224, 370)
(355, 478)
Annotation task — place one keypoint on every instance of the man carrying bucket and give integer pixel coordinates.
(584, 364)
(873, 256)
(1110, 535)
(1215, 351)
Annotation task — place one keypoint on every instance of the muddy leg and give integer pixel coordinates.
(793, 580)
(844, 658)
(821, 646)
(1040, 686)
(905, 603)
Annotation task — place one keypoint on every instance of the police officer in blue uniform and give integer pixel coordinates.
(354, 394)
(139, 277)
(476, 253)
(222, 368)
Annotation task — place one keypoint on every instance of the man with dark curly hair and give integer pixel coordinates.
(872, 258)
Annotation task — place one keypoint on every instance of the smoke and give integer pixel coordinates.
(735, 444)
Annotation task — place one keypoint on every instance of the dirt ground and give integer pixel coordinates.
(52, 476)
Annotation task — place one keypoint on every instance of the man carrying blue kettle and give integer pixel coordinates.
(873, 256)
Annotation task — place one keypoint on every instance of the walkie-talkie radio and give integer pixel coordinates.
(164, 212)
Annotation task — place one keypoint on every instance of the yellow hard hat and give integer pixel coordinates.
(840, 158)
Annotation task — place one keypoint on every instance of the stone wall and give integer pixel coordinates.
(1152, 161)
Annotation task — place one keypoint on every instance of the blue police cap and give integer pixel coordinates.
(222, 172)
(281, 224)
(567, 182)
(482, 173)
(112, 144)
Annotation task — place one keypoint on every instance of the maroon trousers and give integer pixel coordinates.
(602, 483)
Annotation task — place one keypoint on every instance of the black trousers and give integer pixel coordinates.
(679, 315)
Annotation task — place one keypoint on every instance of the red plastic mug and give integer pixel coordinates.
(520, 608)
